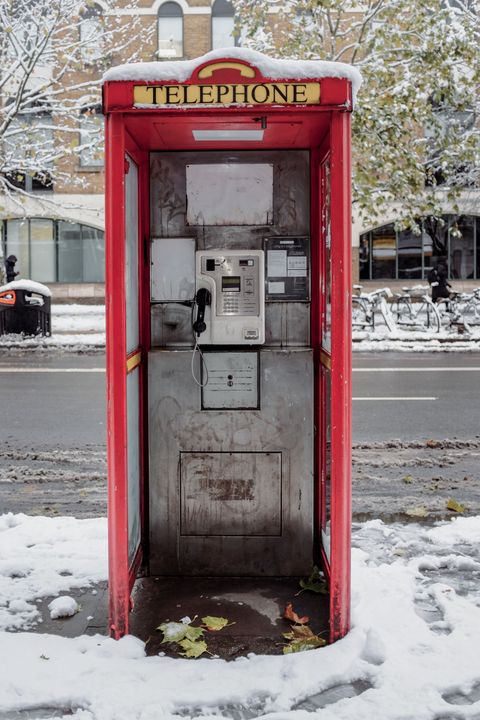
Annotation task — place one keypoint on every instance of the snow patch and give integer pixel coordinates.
(412, 651)
(28, 285)
(64, 606)
(271, 68)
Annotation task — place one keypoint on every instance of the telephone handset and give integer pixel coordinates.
(230, 297)
(202, 299)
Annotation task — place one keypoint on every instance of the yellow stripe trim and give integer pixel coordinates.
(325, 359)
(245, 71)
(134, 361)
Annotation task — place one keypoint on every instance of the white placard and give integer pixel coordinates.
(297, 273)
(297, 262)
(230, 194)
(276, 263)
(276, 288)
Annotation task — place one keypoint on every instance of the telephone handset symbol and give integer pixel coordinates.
(202, 299)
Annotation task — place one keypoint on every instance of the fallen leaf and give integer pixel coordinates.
(173, 631)
(193, 633)
(214, 623)
(316, 582)
(299, 631)
(291, 615)
(193, 649)
(417, 511)
(304, 644)
(455, 506)
(408, 479)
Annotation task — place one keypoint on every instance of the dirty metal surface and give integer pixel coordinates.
(272, 522)
(253, 606)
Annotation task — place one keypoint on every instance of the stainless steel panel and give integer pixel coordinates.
(284, 425)
(231, 493)
(232, 380)
(171, 325)
(291, 216)
(287, 324)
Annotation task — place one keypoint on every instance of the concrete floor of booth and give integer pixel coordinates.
(254, 608)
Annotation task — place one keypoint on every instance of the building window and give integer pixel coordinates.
(92, 33)
(55, 250)
(91, 138)
(170, 31)
(223, 25)
(453, 240)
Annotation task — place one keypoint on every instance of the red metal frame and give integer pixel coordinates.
(323, 129)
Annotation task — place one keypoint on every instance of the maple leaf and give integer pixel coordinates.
(299, 632)
(173, 631)
(291, 615)
(304, 644)
(214, 623)
(455, 506)
(193, 649)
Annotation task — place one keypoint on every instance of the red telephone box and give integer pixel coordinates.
(228, 236)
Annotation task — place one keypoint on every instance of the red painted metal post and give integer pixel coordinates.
(341, 376)
(116, 375)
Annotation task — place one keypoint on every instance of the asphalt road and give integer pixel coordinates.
(59, 401)
(405, 406)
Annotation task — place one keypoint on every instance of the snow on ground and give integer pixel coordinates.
(412, 653)
(454, 338)
(40, 557)
(74, 327)
(82, 328)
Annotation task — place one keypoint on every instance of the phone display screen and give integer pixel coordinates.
(230, 283)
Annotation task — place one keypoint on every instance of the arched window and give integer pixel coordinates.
(223, 25)
(170, 31)
(91, 33)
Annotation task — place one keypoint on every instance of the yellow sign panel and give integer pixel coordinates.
(292, 93)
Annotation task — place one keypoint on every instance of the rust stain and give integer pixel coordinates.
(223, 489)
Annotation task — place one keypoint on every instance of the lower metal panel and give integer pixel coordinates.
(231, 491)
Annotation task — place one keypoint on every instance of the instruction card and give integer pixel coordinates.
(287, 263)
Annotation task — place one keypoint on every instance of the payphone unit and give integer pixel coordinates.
(230, 297)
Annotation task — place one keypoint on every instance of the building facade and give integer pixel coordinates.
(56, 232)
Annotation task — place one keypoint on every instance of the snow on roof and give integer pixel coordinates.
(272, 68)
(28, 285)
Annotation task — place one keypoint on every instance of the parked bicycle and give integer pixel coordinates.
(460, 309)
(413, 308)
(366, 305)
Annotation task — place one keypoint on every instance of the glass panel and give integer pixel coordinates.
(70, 252)
(409, 251)
(91, 140)
(326, 234)
(384, 252)
(17, 244)
(42, 251)
(222, 32)
(133, 461)
(131, 256)
(477, 240)
(462, 230)
(435, 243)
(93, 254)
(327, 463)
(170, 36)
(364, 257)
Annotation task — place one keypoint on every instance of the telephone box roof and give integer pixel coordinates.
(272, 68)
